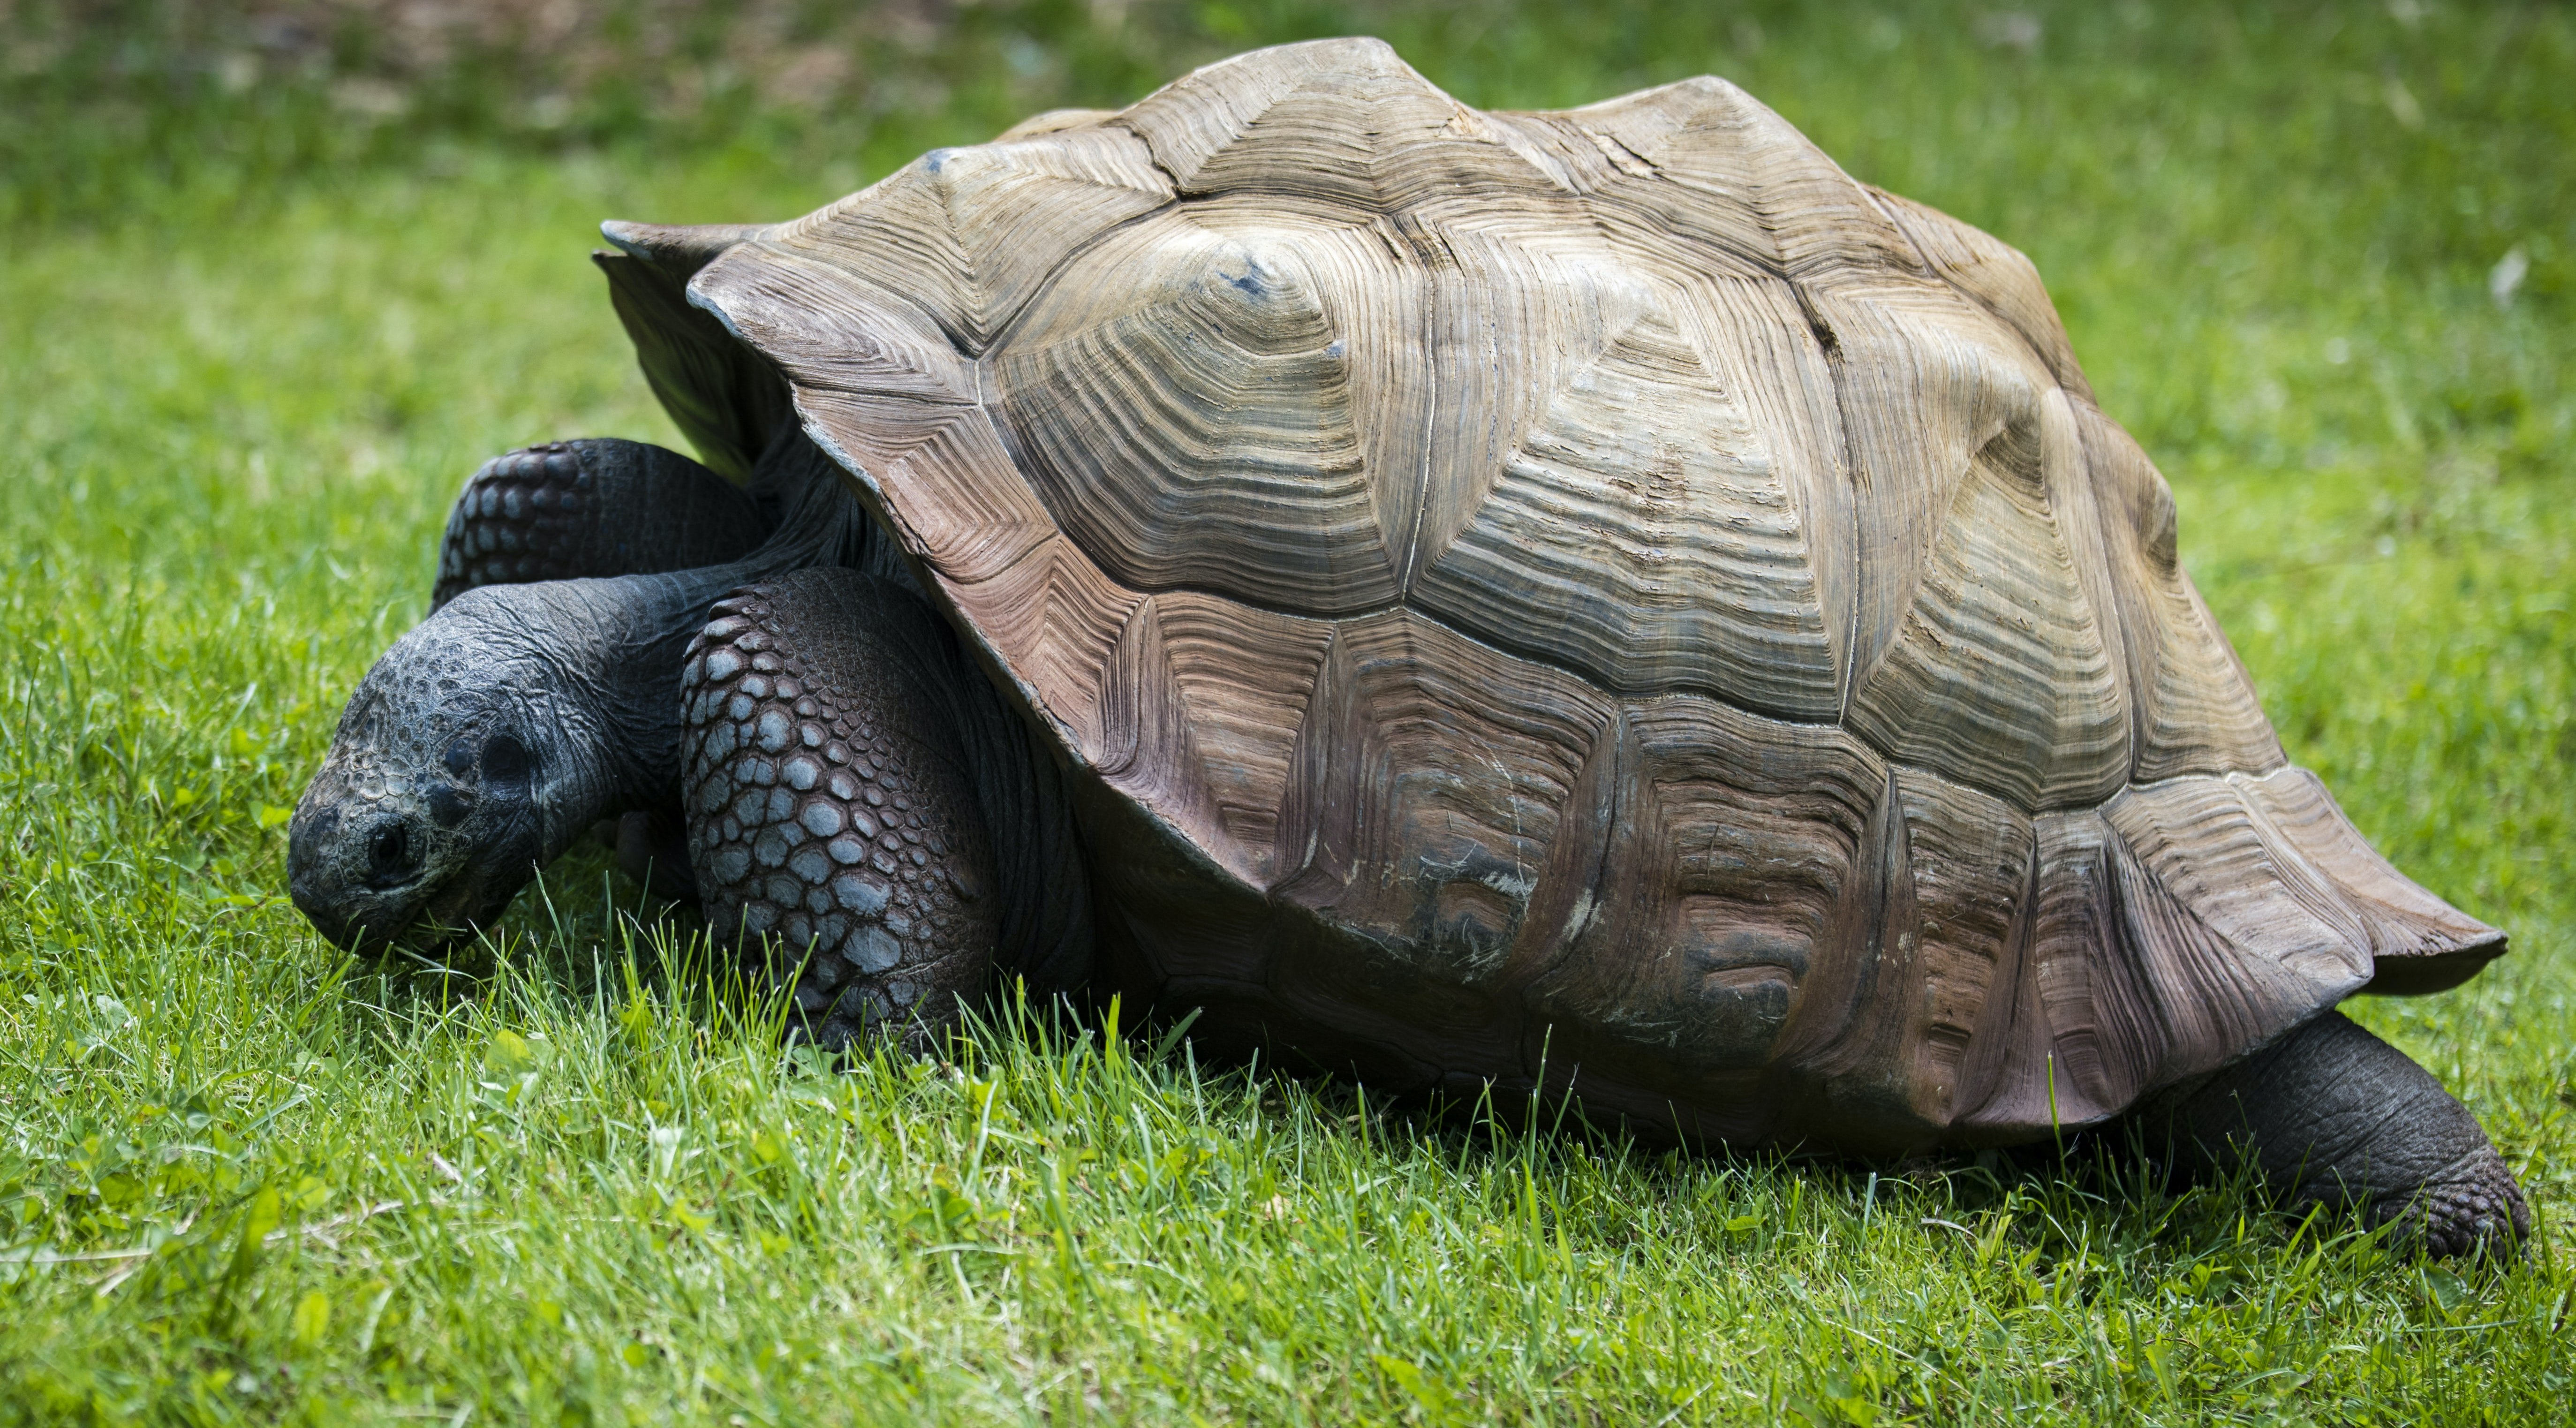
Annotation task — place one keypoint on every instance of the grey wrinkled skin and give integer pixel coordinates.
(483, 743)
(512, 720)
(2332, 1116)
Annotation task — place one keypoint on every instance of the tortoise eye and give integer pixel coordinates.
(506, 760)
(389, 857)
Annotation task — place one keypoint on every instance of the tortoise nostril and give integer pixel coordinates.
(389, 851)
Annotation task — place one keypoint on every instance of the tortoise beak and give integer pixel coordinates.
(376, 874)
(331, 887)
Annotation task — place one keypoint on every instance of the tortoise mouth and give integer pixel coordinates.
(371, 898)
(432, 923)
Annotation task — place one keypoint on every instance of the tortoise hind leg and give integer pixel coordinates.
(2332, 1115)
(833, 821)
(597, 507)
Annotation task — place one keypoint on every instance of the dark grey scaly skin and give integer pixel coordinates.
(865, 815)
(512, 720)
(602, 506)
(2333, 1116)
(595, 507)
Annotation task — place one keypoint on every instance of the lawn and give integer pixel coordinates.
(2322, 260)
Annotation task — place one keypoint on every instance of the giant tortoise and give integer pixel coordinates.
(1597, 601)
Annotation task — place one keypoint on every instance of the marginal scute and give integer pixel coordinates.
(1428, 794)
(2418, 942)
(725, 398)
(1970, 857)
(2087, 1035)
(1914, 1030)
(1242, 715)
(2241, 942)
(1053, 617)
(970, 234)
(942, 476)
(832, 334)
(1737, 863)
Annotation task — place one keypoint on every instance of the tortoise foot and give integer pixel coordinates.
(2333, 1116)
(2474, 1209)
(834, 833)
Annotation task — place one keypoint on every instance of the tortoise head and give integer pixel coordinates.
(471, 754)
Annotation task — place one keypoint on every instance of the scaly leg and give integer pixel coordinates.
(2334, 1116)
(833, 813)
(597, 507)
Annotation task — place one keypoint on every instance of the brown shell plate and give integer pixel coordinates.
(1593, 597)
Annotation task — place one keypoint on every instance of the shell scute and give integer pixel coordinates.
(1994, 275)
(2085, 1037)
(1745, 845)
(1702, 158)
(2195, 711)
(1908, 1034)
(1240, 717)
(2001, 676)
(833, 334)
(1340, 120)
(2243, 938)
(1639, 532)
(1435, 799)
(1187, 403)
(970, 234)
(1053, 618)
(2418, 943)
(961, 512)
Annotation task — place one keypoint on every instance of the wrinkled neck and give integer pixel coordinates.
(820, 522)
(609, 653)
(615, 647)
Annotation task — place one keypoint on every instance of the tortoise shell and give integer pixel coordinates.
(1594, 598)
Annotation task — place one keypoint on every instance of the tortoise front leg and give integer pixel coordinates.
(2332, 1115)
(596, 507)
(834, 823)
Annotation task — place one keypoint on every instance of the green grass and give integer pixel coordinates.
(240, 1180)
